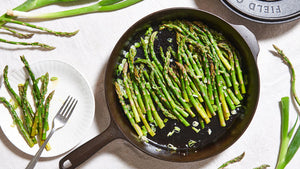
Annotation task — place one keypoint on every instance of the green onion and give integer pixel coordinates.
(287, 151)
(209, 131)
(172, 147)
(53, 78)
(120, 67)
(191, 143)
(170, 133)
(195, 124)
(144, 130)
(98, 7)
(137, 45)
(108, 2)
(144, 139)
(196, 130)
(22, 11)
(175, 130)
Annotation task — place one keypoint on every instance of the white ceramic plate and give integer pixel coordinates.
(70, 82)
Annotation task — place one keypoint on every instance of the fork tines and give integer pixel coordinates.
(68, 107)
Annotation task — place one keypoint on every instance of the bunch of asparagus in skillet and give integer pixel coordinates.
(33, 125)
(200, 77)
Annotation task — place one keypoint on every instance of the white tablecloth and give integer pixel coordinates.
(90, 49)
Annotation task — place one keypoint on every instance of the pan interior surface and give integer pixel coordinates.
(213, 138)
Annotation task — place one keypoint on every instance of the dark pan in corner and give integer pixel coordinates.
(119, 127)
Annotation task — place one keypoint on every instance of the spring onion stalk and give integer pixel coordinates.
(108, 2)
(288, 148)
(98, 7)
(23, 10)
(30, 5)
(34, 4)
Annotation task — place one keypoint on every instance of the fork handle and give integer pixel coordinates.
(37, 156)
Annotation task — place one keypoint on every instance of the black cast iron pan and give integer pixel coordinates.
(219, 140)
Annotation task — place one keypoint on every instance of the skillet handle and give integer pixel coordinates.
(250, 39)
(85, 151)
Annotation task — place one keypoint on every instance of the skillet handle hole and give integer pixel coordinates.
(67, 164)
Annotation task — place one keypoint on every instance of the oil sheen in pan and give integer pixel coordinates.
(212, 131)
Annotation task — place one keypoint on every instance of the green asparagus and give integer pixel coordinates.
(32, 125)
(198, 78)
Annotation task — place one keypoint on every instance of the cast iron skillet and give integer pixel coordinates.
(119, 127)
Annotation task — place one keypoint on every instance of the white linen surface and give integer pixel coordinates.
(90, 49)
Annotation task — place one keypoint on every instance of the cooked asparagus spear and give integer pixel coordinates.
(18, 121)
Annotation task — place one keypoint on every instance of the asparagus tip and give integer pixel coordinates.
(68, 34)
(276, 48)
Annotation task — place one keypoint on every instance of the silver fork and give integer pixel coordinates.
(59, 121)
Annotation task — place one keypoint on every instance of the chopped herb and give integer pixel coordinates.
(170, 133)
(175, 130)
(170, 146)
(120, 67)
(233, 112)
(53, 78)
(149, 31)
(153, 127)
(209, 131)
(144, 130)
(191, 143)
(196, 130)
(125, 53)
(166, 120)
(14, 104)
(144, 139)
(13, 124)
(170, 40)
(137, 45)
(195, 123)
